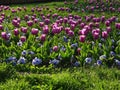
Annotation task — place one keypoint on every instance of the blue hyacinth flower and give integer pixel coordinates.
(117, 62)
(76, 64)
(54, 62)
(24, 52)
(11, 59)
(31, 53)
(36, 61)
(88, 60)
(74, 45)
(112, 53)
(99, 62)
(22, 60)
(65, 39)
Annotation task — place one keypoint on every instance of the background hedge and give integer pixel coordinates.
(19, 1)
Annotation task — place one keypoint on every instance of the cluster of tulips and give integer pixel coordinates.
(95, 5)
(30, 36)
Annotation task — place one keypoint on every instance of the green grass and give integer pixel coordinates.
(97, 78)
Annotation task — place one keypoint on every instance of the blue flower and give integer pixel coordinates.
(102, 39)
(88, 60)
(113, 40)
(102, 57)
(24, 52)
(31, 53)
(59, 57)
(19, 43)
(63, 48)
(36, 61)
(54, 62)
(74, 45)
(11, 59)
(100, 44)
(76, 64)
(65, 39)
(99, 62)
(112, 53)
(117, 62)
(22, 60)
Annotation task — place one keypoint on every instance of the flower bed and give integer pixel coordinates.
(20, 1)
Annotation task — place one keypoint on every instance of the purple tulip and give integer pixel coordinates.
(24, 29)
(4, 35)
(46, 29)
(82, 38)
(16, 32)
(29, 23)
(35, 20)
(103, 18)
(34, 31)
(70, 33)
(47, 21)
(1, 27)
(23, 38)
(55, 48)
(104, 34)
(43, 37)
(96, 35)
(26, 17)
(41, 24)
(82, 25)
(15, 23)
(117, 25)
(108, 29)
(107, 23)
(78, 50)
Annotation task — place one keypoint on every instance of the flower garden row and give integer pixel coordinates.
(30, 36)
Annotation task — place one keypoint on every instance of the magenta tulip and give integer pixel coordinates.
(24, 29)
(34, 31)
(55, 48)
(16, 32)
(104, 34)
(29, 23)
(43, 37)
(1, 27)
(23, 38)
(82, 38)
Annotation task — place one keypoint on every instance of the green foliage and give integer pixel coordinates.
(6, 72)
